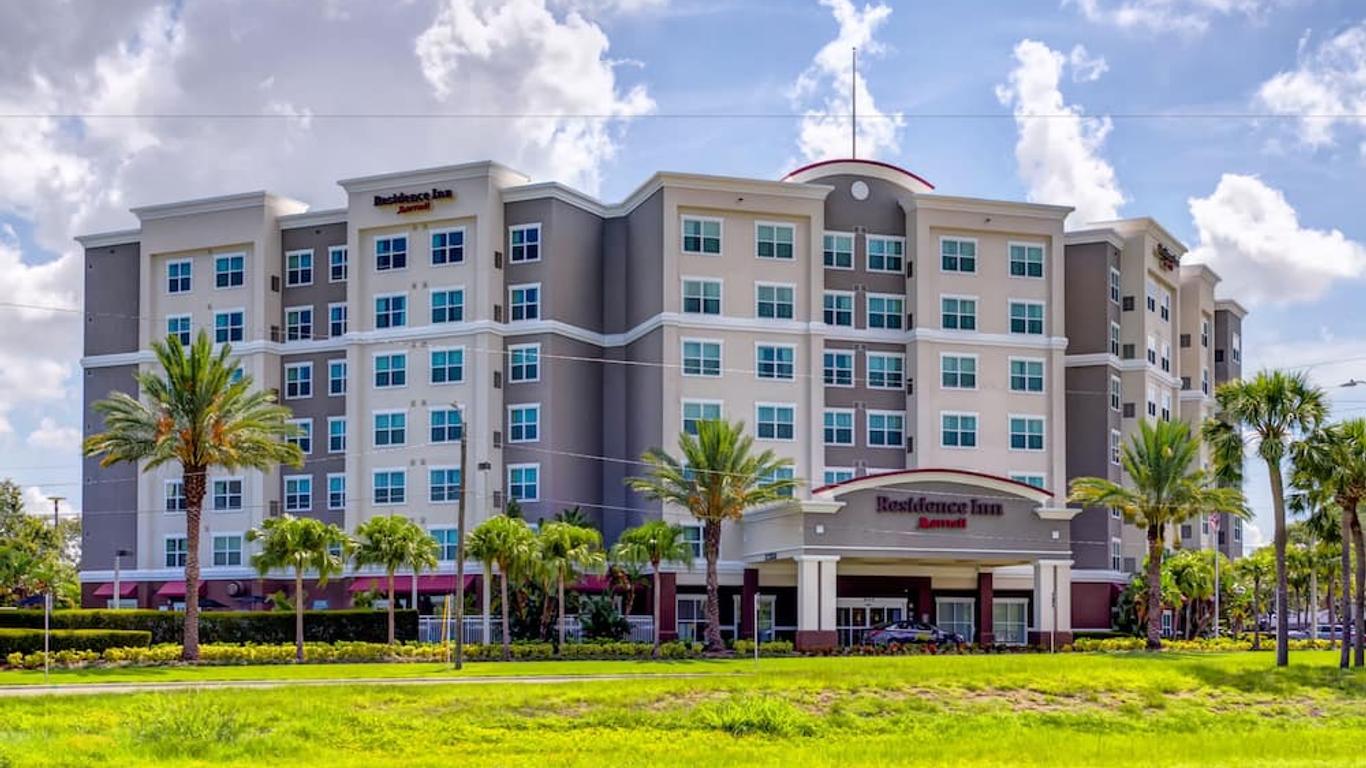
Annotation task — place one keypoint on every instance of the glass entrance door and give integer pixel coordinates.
(854, 616)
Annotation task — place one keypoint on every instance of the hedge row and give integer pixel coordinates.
(235, 627)
(1208, 644)
(25, 641)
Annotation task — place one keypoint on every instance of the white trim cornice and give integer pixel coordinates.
(932, 202)
(1092, 358)
(106, 239)
(1087, 236)
(422, 176)
(313, 218)
(234, 202)
(975, 338)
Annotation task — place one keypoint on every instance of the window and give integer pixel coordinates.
(303, 436)
(958, 371)
(1114, 285)
(774, 241)
(1028, 478)
(1026, 433)
(701, 358)
(1204, 334)
(336, 319)
(1026, 260)
(955, 614)
(228, 326)
(1116, 554)
(701, 235)
(1166, 308)
(838, 251)
(447, 544)
(336, 491)
(391, 428)
(524, 423)
(886, 429)
(1152, 402)
(524, 302)
(692, 536)
(336, 434)
(298, 380)
(957, 255)
(227, 494)
(1010, 620)
(524, 482)
(886, 254)
(834, 475)
(885, 311)
(773, 302)
(1237, 347)
(695, 411)
(447, 365)
(839, 308)
(1026, 317)
(336, 378)
(229, 270)
(1116, 392)
(1026, 375)
(337, 266)
(839, 368)
(236, 375)
(1152, 350)
(1166, 406)
(775, 422)
(1204, 380)
(886, 371)
(448, 246)
(298, 323)
(176, 550)
(775, 361)
(174, 492)
(958, 430)
(298, 493)
(178, 277)
(839, 426)
(690, 616)
(1166, 356)
(448, 305)
(1115, 440)
(391, 370)
(443, 485)
(1152, 295)
(391, 253)
(702, 297)
(178, 326)
(1114, 339)
(391, 310)
(227, 550)
(390, 486)
(525, 243)
(957, 313)
(444, 425)
(299, 268)
(779, 473)
(524, 362)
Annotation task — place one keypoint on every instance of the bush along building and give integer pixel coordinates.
(935, 367)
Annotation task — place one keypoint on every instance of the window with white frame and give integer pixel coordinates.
(447, 543)
(298, 493)
(337, 319)
(957, 430)
(833, 475)
(886, 429)
(229, 326)
(1166, 356)
(336, 491)
(692, 536)
(958, 313)
(443, 424)
(391, 428)
(838, 308)
(524, 362)
(886, 311)
(775, 421)
(1204, 334)
(1026, 260)
(524, 482)
(702, 297)
(230, 270)
(1028, 478)
(701, 235)
(1026, 433)
(337, 264)
(298, 323)
(1026, 317)
(236, 375)
(690, 617)
(173, 492)
(696, 411)
(838, 368)
(775, 361)
(1152, 402)
(958, 371)
(773, 302)
(886, 254)
(227, 550)
(525, 243)
(774, 241)
(448, 305)
(179, 276)
(886, 370)
(524, 302)
(1115, 451)
(447, 366)
(1010, 620)
(1116, 554)
(448, 246)
(779, 473)
(701, 358)
(1236, 347)
(1114, 285)
(178, 327)
(1152, 350)
(298, 380)
(1166, 308)
(838, 250)
(227, 494)
(1204, 380)
(443, 485)
(175, 551)
(1152, 295)
(839, 426)
(336, 378)
(336, 434)
(1116, 392)
(391, 370)
(1026, 375)
(1114, 339)
(956, 615)
(391, 253)
(524, 423)
(1166, 413)
(390, 486)
(299, 268)
(957, 254)
(391, 310)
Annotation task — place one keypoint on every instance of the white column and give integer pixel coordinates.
(816, 592)
(486, 590)
(1052, 597)
(828, 592)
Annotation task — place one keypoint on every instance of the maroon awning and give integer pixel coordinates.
(427, 584)
(176, 589)
(126, 589)
(592, 582)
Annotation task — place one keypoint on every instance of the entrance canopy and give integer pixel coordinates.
(126, 589)
(427, 584)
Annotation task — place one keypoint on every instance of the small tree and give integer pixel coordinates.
(506, 543)
(1259, 568)
(655, 542)
(566, 550)
(300, 544)
(393, 542)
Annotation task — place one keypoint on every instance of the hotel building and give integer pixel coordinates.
(935, 367)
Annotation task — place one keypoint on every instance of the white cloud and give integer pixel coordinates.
(1191, 17)
(824, 132)
(39, 502)
(1327, 87)
(37, 347)
(1251, 235)
(1086, 68)
(52, 436)
(1059, 148)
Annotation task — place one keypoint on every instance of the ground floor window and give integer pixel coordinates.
(954, 614)
(1010, 620)
(854, 616)
(691, 616)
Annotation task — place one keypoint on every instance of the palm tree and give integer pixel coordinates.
(718, 477)
(393, 542)
(1192, 572)
(300, 544)
(505, 542)
(1275, 406)
(194, 414)
(1258, 568)
(574, 516)
(565, 550)
(654, 542)
(1164, 491)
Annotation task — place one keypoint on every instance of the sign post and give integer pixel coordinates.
(1214, 527)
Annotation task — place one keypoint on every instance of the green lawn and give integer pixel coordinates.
(943, 711)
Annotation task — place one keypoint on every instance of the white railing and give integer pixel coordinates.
(429, 629)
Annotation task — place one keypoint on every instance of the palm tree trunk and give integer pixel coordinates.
(391, 607)
(1256, 613)
(1359, 599)
(559, 609)
(507, 632)
(1348, 631)
(711, 549)
(193, 480)
(299, 615)
(1154, 588)
(655, 611)
(1282, 579)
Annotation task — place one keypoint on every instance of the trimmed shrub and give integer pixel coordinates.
(25, 641)
(1201, 645)
(770, 648)
(362, 625)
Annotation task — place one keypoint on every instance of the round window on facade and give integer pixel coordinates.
(859, 190)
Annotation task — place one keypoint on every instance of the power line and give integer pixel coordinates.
(886, 115)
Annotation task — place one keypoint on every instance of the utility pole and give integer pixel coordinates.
(460, 545)
(853, 104)
(48, 598)
(1214, 540)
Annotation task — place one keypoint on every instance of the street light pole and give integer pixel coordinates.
(460, 545)
(47, 599)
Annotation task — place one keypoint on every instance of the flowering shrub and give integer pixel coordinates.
(1200, 645)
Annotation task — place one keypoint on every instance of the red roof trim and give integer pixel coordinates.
(967, 472)
(878, 163)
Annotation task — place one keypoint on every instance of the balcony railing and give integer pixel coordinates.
(429, 629)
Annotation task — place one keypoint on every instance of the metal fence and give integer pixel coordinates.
(429, 629)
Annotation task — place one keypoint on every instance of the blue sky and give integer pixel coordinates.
(1281, 212)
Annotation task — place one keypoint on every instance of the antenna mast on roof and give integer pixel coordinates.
(853, 105)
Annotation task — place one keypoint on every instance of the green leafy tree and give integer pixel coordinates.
(300, 544)
(393, 542)
(194, 415)
(1257, 569)
(654, 542)
(1164, 490)
(34, 555)
(717, 478)
(564, 551)
(1192, 572)
(506, 543)
(1275, 407)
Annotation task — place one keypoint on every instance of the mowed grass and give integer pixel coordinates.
(1068, 710)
